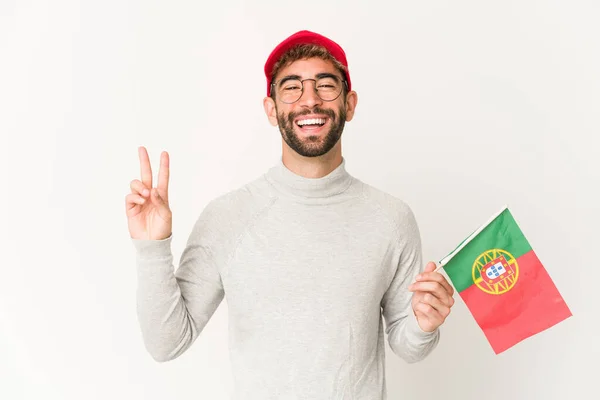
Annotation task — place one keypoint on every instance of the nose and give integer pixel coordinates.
(309, 96)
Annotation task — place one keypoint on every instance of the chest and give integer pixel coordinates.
(311, 263)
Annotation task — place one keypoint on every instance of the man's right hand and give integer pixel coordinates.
(147, 208)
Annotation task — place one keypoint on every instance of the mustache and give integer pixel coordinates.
(330, 113)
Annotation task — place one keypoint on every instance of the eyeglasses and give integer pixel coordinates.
(289, 89)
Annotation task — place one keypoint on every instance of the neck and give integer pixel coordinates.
(312, 167)
(317, 190)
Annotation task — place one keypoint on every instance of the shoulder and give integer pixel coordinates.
(235, 209)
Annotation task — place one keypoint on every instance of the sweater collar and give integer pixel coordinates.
(291, 184)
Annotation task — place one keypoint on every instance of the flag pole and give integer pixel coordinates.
(445, 260)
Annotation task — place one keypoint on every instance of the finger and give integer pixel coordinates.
(145, 168)
(420, 315)
(436, 277)
(133, 204)
(434, 288)
(439, 306)
(161, 205)
(429, 312)
(163, 173)
(133, 211)
(133, 199)
(137, 187)
(434, 321)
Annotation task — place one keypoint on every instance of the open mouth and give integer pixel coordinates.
(311, 125)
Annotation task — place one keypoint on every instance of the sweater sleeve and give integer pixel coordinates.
(174, 307)
(405, 337)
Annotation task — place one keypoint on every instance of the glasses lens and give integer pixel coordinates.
(328, 89)
(290, 90)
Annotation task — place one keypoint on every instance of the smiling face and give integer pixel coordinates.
(311, 126)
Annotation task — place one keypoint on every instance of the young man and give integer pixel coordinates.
(312, 260)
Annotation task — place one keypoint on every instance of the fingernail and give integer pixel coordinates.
(419, 277)
(145, 192)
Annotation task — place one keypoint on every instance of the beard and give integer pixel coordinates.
(312, 146)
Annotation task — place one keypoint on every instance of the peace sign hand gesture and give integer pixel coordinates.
(147, 208)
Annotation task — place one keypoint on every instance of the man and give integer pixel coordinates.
(312, 260)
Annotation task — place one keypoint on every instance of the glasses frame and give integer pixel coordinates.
(274, 84)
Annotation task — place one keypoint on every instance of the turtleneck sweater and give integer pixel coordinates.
(315, 274)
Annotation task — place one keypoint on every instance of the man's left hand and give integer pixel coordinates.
(432, 298)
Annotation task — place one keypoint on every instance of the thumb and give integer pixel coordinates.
(430, 267)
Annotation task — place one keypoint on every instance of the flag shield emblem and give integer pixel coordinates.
(495, 271)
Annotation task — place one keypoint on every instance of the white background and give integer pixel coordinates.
(463, 106)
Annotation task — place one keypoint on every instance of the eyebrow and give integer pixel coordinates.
(328, 75)
(318, 76)
(289, 77)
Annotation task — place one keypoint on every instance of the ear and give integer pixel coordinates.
(351, 102)
(270, 110)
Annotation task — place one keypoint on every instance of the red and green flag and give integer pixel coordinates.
(503, 283)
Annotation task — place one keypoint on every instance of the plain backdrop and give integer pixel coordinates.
(464, 106)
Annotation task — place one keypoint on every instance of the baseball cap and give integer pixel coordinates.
(305, 37)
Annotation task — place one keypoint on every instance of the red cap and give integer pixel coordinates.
(305, 37)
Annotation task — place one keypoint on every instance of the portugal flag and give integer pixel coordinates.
(504, 284)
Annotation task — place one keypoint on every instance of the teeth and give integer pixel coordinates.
(313, 121)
